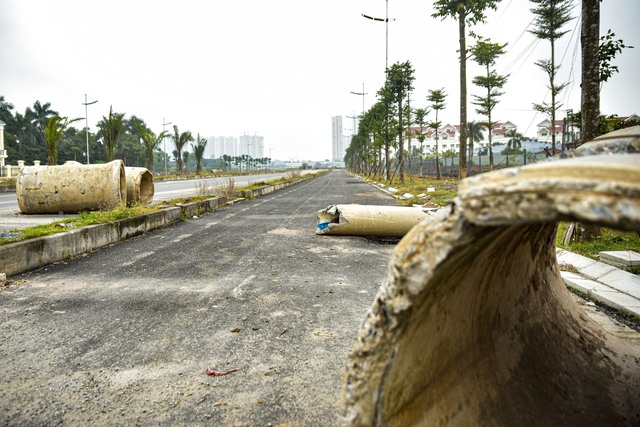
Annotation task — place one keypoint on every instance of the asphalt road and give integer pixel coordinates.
(11, 217)
(122, 336)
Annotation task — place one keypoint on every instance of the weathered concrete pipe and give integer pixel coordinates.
(473, 324)
(71, 187)
(369, 220)
(140, 186)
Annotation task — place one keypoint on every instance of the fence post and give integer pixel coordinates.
(480, 160)
(525, 156)
(507, 159)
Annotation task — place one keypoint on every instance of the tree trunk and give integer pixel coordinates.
(462, 152)
(590, 39)
(400, 142)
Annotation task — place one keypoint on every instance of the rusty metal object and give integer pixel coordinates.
(473, 324)
(369, 220)
(140, 186)
(71, 187)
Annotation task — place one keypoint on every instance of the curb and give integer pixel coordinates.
(615, 288)
(25, 255)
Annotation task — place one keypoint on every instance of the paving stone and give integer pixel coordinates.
(618, 301)
(622, 281)
(586, 286)
(621, 259)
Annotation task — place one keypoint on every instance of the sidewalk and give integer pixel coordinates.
(609, 285)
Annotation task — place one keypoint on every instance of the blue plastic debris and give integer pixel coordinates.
(323, 225)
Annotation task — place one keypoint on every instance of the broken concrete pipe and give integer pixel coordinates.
(140, 186)
(368, 220)
(473, 324)
(71, 187)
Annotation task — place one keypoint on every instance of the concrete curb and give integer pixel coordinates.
(25, 255)
(604, 283)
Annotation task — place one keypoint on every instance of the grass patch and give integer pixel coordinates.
(83, 219)
(444, 190)
(611, 240)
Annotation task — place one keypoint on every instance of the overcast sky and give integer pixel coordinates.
(279, 68)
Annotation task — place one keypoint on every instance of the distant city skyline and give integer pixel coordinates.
(251, 145)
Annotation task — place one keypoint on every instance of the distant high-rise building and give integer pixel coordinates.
(252, 145)
(337, 138)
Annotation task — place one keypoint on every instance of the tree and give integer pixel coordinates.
(515, 139)
(485, 54)
(467, 12)
(52, 133)
(185, 161)
(474, 133)
(198, 152)
(111, 128)
(151, 142)
(180, 139)
(400, 80)
(437, 98)
(550, 17)
(421, 116)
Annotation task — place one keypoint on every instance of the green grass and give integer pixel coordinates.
(83, 219)
(611, 240)
(445, 190)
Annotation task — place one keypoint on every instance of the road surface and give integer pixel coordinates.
(123, 336)
(11, 217)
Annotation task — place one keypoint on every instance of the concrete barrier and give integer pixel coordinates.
(474, 325)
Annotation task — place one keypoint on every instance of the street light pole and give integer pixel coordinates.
(164, 141)
(386, 21)
(86, 118)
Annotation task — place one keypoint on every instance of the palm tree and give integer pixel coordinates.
(52, 134)
(515, 139)
(474, 132)
(151, 142)
(111, 128)
(198, 151)
(180, 139)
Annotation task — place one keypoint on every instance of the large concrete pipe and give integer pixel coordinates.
(474, 326)
(71, 187)
(140, 186)
(368, 220)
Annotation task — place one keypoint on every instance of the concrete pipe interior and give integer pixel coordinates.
(140, 187)
(474, 325)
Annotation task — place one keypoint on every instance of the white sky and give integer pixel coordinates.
(281, 68)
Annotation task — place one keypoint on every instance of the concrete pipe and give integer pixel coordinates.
(474, 325)
(71, 187)
(140, 186)
(367, 220)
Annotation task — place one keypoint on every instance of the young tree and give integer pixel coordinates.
(111, 129)
(467, 12)
(550, 17)
(151, 142)
(437, 98)
(180, 139)
(485, 54)
(421, 116)
(198, 151)
(52, 134)
(400, 81)
(185, 161)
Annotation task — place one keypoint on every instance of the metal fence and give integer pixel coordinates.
(476, 164)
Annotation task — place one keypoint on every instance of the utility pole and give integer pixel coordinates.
(86, 118)
(164, 141)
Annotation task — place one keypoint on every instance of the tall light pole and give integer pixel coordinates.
(86, 118)
(164, 141)
(386, 23)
